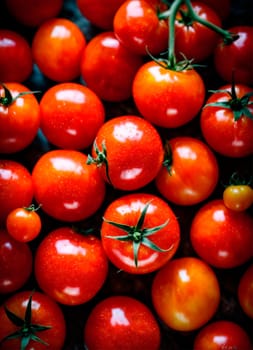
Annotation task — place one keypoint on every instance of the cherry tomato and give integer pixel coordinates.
(221, 236)
(16, 263)
(66, 187)
(121, 320)
(190, 172)
(238, 197)
(113, 83)
(245, 291)
(70, 267)
(178, 96)
(222, 335)
(46, 322)
(221, 7)
(185, 293)
(140, 233)
(64, 43)
(71, 115)
(19, 117)
(128, 152)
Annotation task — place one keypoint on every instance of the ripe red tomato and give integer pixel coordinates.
(121, 320)
(71, 115)
(185, 293)
(128, 151)
(221, 7)
(190, 172)
(113, 83)
(245, 291)
(178, 96)
(222, 335)
(64, 42)
(238, 197)
(221, 236)
(16, 263)
(66, 187)
(70, 267)
(44, 320)
(19, 117)
(16, 187)
(140, 233)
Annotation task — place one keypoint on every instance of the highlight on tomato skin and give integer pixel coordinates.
(238, 197)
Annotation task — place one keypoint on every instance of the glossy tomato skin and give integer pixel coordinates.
(121, 321)
(66, 187)
(222, 8)
(113, 83)
(16, 263)
(238, 197)
(225, 135)
(16, 62)
(16, 187)
(193, 174)
(137, 26)
(127, 210)
(19, 120)
(221, 335)
(65, 43)
(44, 312)
(178, 95)
(71, 115)
(185, 293)
(70, 267)
(245, 291)
(235, 59)
(221, 236)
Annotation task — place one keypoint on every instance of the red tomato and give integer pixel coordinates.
(66, 187)
(16, 62)
(190, 172)
(221, 7)
(16, 187)
(222, 335)
(19, 117)
(64, 43)
(238, 197)
(70, 267)
(121, 320)
(227, 127)
(185, 293)
(178, 96)
(245, 291)
(47, 322)
(222, 237)
(128, 152)
(236, 57)
(137, 26)
(16, 263)
(140, 233)
(71, 115)
(113, 83)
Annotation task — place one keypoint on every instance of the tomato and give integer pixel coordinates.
(121, 321)
(222, 335)
(70, 267)
(16, 62)
(221, 236)
(178, 97)
(16, 187)
(220, 7)
(140, 233)
(71, 115)
(19, 117)
(245, 291)
(113, 83)
(185, 293)
(65, 43)
(66, 187)
(190, 172)
(137, 26)
(44, 319)
(113, 153)
(238, 197)
(236, 57)
(226, 123)
(16, 262)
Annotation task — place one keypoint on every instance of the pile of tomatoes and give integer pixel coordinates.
(126, 142)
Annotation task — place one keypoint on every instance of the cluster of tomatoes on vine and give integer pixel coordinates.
(146, 51)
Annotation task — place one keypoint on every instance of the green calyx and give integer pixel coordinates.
(138, 234)
(100, 159)
(236, 180)
(8, 99)
(167, 162)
